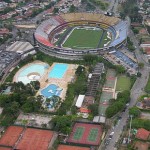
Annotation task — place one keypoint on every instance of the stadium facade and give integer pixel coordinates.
(46, 31)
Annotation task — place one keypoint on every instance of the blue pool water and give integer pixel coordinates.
(37, 68)
(51, 90)
(58, 71)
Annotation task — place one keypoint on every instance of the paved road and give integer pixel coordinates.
(136, 91)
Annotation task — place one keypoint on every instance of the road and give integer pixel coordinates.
(136, 91)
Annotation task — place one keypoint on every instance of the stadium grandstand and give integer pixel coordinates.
(51, 35)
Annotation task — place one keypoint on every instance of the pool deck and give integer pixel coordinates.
(15, 79)
(45, 80)
(62, 83)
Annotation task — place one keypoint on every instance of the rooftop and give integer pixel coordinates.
(142, 134)
(20, 47)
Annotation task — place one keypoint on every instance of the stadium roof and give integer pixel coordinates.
(80, 100)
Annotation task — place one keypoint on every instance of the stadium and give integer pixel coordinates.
(72, 35)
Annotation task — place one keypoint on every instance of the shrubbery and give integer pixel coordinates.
(119, 104)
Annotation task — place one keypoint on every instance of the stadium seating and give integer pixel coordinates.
(90, 17)
(43, 40)
(121, 29)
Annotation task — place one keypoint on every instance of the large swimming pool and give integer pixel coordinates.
(51, 90)
(58, 71)
(31, 73)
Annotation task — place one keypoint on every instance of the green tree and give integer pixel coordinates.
(140, 65)
(72, 8)
(89, 58)
(120, 69)
(62, 124)
(135, 112)
(56, 10)
(94, 109)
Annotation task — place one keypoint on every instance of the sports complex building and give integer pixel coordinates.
(73, 35)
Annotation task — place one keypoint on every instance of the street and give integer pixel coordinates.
(136, 92)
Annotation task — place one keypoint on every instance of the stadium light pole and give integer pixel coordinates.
(130, 128)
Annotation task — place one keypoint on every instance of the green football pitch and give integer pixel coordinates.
(123, 83)
(83, 38)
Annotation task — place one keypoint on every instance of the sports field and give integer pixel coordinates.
(69, 147)
(85, 133)
(123, 83)
(83, 38)
(110, 79)
(102, 109)
(11, 135)
(105, 97)
(35, 139)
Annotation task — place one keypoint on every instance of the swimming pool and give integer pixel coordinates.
(51, 90)
(31, 73)
(58, 71)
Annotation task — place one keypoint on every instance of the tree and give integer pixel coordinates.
(120, 69)
(140, 65)
(89, 58)
(139, 74)
(94, 109)
(135, 112)
(72, 8)
(55, 11)
(136, 31)
(62, 124)
(79, 70)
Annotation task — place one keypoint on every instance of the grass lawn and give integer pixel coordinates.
(147, 87)
(82, 38)
(123, 83)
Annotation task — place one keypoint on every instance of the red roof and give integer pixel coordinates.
(68, 147)
(84, 110)
(142, 134)
(147, 50)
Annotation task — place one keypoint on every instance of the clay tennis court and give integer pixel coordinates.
(5, 148)
(68, 147)
(35, 139)
(85, 133)
(11, 135)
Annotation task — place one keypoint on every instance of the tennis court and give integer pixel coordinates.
(79, 133)
(102, 109)
(11, 135)
(69, 147)
(91, 134)
(35, 139)
(105, 97)
(110, 79)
